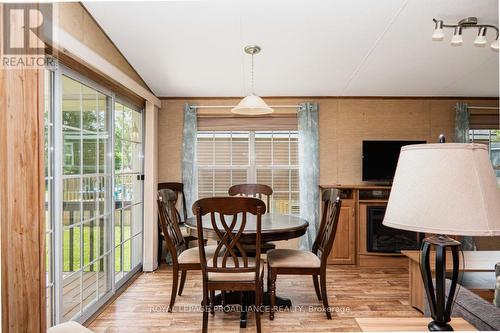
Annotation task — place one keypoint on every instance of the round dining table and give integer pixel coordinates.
(274, 227)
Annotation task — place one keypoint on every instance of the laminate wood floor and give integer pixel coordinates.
(353, 291)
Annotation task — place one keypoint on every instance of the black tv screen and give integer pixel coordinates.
(380, 159)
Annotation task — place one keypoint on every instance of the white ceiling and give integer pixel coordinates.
(309, 47)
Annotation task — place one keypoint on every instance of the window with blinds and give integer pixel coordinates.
(223, 160)
(226, 158)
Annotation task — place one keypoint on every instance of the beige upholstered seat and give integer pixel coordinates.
(249, 276)
(292, 258)
(69, 326)
(192, 255)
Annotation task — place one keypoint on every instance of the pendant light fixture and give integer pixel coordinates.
(252, 104)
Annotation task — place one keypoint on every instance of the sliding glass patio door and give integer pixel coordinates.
(128, 191)
(86, 196)
(94, 199)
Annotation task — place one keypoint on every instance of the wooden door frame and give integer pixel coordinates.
(22, 202)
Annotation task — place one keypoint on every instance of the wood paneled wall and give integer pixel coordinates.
(22, 226)
(343, 124)
(74, 19)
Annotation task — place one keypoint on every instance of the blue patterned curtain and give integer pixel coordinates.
(462, 116)
(189, 172)
(309, 170)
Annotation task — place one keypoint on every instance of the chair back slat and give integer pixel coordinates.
(169, 224)
(252, 190)
(328, 228)
(228, 219)
(178, 188)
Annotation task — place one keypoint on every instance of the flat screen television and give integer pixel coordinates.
(380, 159)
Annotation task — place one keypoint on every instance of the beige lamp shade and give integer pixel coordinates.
(252, 105)
(445, 188)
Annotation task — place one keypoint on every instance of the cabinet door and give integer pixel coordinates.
(344, 246)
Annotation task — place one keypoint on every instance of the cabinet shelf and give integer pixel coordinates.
(349, 247)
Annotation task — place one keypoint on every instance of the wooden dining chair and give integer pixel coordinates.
(229, 267)
(178, 188)
(252, 190)
(255, 191)
(183, 259)
(300, 262)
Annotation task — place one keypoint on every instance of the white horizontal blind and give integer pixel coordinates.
(226, 158)
(223, 160)
(276, 164)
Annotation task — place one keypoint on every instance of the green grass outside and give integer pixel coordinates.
(87, 230)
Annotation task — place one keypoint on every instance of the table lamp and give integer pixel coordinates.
(443, 189)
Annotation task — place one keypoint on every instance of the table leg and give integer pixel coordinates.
(244, 301)
(416, 286)
(234, 297)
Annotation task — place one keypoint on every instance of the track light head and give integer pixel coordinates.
(480, 40)
(457, 39)
(438, 34)
(494, 45)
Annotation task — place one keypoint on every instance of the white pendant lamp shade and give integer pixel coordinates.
(445, 188)
(252, 105)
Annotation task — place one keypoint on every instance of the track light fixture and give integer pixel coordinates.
(466, 23)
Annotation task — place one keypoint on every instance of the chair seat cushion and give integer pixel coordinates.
(192, 255)
(69, 326)
(233, 276)
(291, 258)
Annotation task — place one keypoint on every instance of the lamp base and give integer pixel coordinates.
(439, 304)
(435, 326)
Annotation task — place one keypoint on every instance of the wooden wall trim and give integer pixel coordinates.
(66, 43)
(22, 189)
(335, 97)
(88, 72)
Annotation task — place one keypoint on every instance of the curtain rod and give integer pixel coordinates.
(232, 106)
(484, 107)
